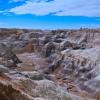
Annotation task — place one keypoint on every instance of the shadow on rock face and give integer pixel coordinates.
(48, 49)
(7, 92)
(9, 58)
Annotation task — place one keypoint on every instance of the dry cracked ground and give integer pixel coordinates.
(49, 64)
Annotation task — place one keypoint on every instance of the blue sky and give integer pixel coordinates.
(50, 14)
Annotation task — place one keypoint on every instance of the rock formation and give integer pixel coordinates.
(49, 65)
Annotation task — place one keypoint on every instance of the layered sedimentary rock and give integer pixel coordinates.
(49, 65)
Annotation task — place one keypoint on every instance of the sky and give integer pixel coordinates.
(50, 14)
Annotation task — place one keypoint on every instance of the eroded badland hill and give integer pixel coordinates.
(49, 64)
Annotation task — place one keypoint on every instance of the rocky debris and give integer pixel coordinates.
(55, 61)
(47, 38)
(65, 45)
(28, 36)
(48, 49)
(9, 92)
(33, 75)
(56, 64)
(70, 45)
(17, 45)
(93, 84)
(97, 95)
(6, 52)
(3, 69)
(9, 64)
(48, 90)
(48, 87)
(26, 89)
(9, 59)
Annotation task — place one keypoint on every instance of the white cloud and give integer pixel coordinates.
(59, 7)
(15, 1)
(24, 0)
(1, 12)
(5, 12)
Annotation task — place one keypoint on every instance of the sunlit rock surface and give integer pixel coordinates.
(49, 64)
